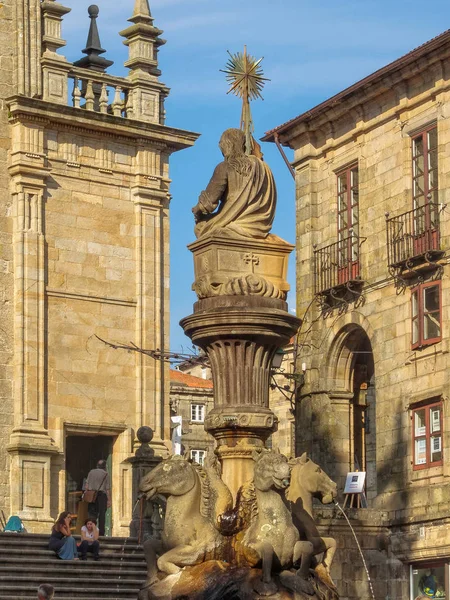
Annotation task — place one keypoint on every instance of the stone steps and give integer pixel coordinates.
(26, 562)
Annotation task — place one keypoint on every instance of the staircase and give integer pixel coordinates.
(26, 562)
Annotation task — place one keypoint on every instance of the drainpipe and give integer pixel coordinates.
(283, 154)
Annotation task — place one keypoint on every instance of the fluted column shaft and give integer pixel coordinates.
(240, 336)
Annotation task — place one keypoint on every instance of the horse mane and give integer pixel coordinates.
(247, 503)
(205, 491)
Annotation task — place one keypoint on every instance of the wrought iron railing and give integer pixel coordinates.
(336, 265)
(412, 234)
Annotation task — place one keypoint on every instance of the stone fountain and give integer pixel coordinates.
(241, 526)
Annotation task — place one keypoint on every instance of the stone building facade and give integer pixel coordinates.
(372, 175)
(282, 397)
(84, 201)
(191, 399)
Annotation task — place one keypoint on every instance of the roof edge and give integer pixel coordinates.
(404, 60)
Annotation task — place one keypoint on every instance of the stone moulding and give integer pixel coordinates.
(241, 341)
(231, 265)
(261, 420)
(25, 109)
(248, 285)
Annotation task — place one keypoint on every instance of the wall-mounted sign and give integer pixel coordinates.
(354, 484)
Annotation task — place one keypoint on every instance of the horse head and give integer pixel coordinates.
(308, 476)
(174, 476)
(271, 470)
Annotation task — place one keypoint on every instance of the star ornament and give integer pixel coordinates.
(245, 75)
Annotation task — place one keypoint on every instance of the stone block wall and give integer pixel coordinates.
(282, 402)
(84, 228)
(373, 127)
(389, 577)
(7, 59)
(402, 376)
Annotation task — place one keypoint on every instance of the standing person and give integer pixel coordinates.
(61, 539)
(89, 540)
(45, 591)
(98, 481)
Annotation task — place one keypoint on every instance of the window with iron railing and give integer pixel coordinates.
(425, 189)
(348, 203)
(338, 263)
(415, 233)
(348, 223)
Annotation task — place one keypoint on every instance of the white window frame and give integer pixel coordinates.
(197, 413)
(198, 456)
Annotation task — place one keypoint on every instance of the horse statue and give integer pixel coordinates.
(191, 528)
(271, 538)
(308, 481)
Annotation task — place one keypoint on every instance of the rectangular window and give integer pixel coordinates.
(198, 456)
(428, 580)
(425, 190)
(427, 435)
(348, 223)
(425, 167)
(426, 314)
(197, 413)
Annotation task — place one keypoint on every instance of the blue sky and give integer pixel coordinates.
(311, 51)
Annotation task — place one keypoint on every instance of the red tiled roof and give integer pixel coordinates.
(190, 380)
(400, 62)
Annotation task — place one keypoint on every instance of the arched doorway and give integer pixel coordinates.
(352, 367)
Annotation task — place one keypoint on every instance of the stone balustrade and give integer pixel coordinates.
(100, 92)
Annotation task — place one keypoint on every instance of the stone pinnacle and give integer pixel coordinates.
(142, 9)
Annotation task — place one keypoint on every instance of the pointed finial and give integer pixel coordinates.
(93, 49)
(93, 41)
(141, 11)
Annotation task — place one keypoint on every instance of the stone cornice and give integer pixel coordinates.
(298, 140)
(397, 73)
(22, 109)
(183, 390)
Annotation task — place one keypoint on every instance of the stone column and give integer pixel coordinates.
(29, 46)
(240, 333)
(143, 461)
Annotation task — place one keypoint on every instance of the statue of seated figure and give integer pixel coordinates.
(241, 197)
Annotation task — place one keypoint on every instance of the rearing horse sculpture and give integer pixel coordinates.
(194, 499)
(308, 481)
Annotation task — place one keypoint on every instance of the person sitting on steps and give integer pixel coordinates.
(61, 539)
(89, 540)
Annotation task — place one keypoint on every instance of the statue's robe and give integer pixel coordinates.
(246, 201)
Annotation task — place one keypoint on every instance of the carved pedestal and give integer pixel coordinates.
(227, 265)
(240, 327)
